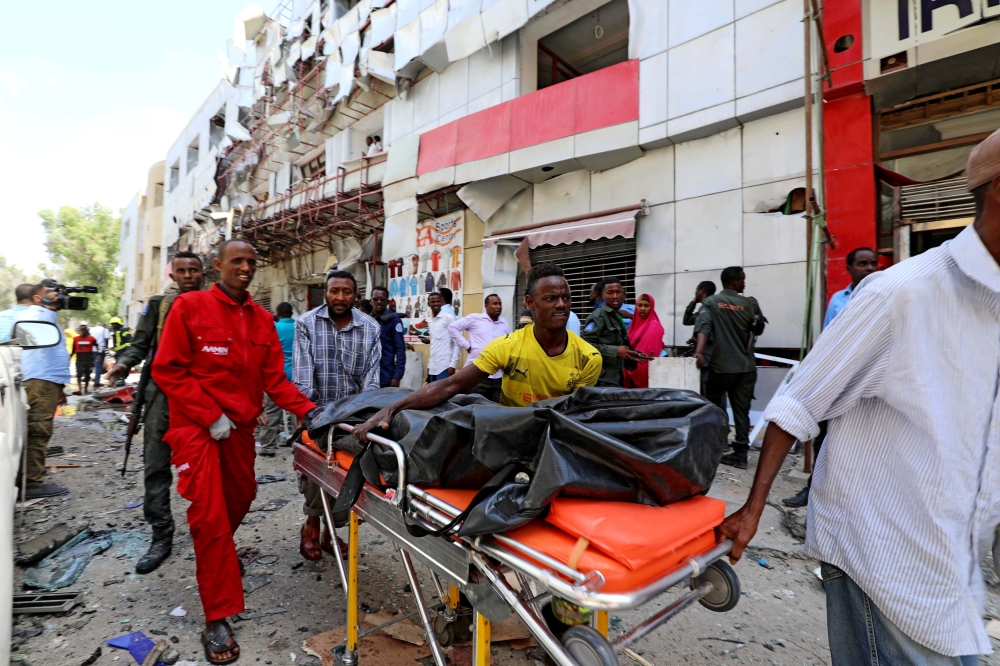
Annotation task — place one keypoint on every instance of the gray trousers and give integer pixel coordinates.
(269, 434)
(157, 476)
(312, 505)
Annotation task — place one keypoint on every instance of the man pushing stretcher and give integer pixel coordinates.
(540, 361)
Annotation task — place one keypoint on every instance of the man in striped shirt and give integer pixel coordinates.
(337, 354)
(906, 496)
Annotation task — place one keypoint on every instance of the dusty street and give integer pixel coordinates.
(780, 618)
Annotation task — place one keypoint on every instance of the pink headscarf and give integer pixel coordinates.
(645, 335)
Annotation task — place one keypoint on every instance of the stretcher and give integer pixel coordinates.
(599, 555)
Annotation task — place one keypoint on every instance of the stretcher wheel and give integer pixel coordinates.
(444, 630)
(725, 592)
(588, 647)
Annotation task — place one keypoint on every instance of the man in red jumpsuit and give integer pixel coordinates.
(218, 354)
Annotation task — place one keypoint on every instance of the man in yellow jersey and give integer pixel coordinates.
(540, 361)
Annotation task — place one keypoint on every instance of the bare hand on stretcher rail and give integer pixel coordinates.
(425, 397)
(741, 526)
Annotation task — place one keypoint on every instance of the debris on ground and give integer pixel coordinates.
(178, 612)
(248, 555)
(65, 566)
(34, 550)
(271, 478)
(993, 629)
(270, 505)
(254, 583)
(376, 648)
(257, 614)
(92, 659)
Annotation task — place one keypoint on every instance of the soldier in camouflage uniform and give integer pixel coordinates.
(187, 272)
(607, 332)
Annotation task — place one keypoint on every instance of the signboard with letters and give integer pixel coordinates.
(898, 25)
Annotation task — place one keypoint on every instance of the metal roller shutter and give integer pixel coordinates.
(585, 264)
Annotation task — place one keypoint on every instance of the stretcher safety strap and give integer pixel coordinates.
(578, 550)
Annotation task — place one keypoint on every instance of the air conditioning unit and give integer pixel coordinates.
(940, 200)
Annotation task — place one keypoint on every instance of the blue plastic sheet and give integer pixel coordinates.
(137, 643)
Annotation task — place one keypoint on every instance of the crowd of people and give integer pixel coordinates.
(889, 386)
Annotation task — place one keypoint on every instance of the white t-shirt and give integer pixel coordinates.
(101, 334)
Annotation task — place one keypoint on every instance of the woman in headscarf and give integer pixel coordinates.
(646, 336)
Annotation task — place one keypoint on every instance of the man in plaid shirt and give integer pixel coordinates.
(337, 354)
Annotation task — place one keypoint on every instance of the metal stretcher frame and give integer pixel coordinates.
(451, 558)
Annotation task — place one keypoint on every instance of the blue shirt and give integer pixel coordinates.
(837, 303)
(286, 335)
(392, 365)
(573, 324)
(51, 363)
(7, 320)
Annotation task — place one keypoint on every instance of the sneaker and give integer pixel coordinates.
(44, 490)
(800, 500)
(739, 461)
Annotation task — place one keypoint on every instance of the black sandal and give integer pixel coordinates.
(216, 640)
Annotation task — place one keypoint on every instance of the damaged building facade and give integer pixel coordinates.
(657, 141)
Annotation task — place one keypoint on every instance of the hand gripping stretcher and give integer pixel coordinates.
(600, 555)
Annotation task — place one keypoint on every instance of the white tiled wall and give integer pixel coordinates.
(717, 81)
(721, 186)
(725, 61)
(484, 79)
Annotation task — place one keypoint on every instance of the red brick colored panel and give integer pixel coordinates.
(438, 148)
(484, 134)
(847, 131)
(847, 80)
(851, 212)
(609, 96)
(544, 115)
(837, 277)
(840, 18)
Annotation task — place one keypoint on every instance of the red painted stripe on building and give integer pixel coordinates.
(545, 115)
(607, 97)
(484, 134)
(437, 148)
(600, 99)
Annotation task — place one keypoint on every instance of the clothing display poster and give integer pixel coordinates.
(435, 263)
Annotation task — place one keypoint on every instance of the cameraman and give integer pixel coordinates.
(46, 372)
(26, 295)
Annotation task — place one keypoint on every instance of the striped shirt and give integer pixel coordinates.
(906, 491)
(331, 364)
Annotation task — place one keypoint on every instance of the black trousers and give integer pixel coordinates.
(817, 445)
(157, 477)
(739, 387)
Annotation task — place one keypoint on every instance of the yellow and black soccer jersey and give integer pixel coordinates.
(530, 375)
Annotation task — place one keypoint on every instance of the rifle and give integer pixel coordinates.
(135, 420)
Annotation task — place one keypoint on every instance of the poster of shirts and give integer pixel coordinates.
(435, 263)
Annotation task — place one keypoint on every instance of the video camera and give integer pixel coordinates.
(59, 295)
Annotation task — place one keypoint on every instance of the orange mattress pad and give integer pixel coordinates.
(631, 545)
